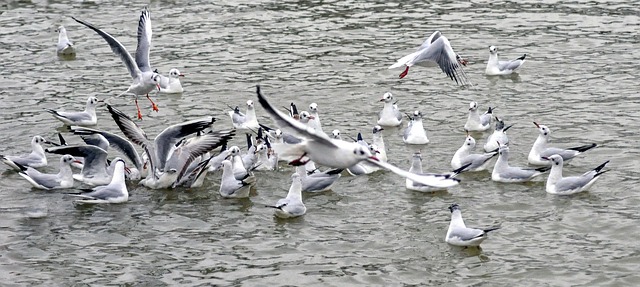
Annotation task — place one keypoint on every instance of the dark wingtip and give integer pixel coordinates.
(491, 229)
(21, 167)
(600, 167)
(62, 140)
(543, 169)
(507, 128)
(522, 58)
(584, 147)
(461, 169)
(490, 110)
(359, 137)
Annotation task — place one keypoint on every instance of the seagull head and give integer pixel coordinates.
(544, 130)
(454, 207)
(556, 159)
(249, 104)
(313, 107)
(376, 129)
(362, 152)
(335, 134)
(417, 115)
(67, 159)
(305, 117)
(470, 142)
(387, 97)
(493, 50)
(155, 78)
(473, 106)
(174, 73)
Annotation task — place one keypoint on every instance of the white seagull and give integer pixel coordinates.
(230, 187)
(540, 149)
(497, 67)
(556, 184)
(499, 135)
(85, 118)
(62, 179)
(389, 116)
(378, 140)
(171, 84)
(64, 47)
(35, 159)
(144, 79)
(291, 206)
(475, 121)
(459, 234)
(315, 120)
(436, 51)
(416, 167)
(503, 172)
(114, 192)
(95, 169)
(415, 132)
(475, 162)
(326, 151)
(246, 121)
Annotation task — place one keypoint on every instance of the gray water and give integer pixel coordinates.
(580, 79)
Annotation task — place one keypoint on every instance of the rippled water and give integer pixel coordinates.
(580, 79)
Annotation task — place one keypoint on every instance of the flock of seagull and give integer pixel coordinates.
(183, 154)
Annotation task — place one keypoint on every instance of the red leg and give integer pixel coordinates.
(138, 108)
(404, 74)
(298, 161)
(153, 105)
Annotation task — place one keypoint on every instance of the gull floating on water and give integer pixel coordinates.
(315, 120)
(503, 172)
(415, 132)
(65, 46)
(246, 122)
(84, 118)
(497, 67)
(556, 184)
(499, 135)
(317, 181)
(35, 159)
(459, 234)
(291, 206)
(389, 116)
(171, 84)
(95, 169)
(378, 140)
(475, 162)
(230, 187)
(416, 167)
(62, 179)
(540, 149)
(326, 151)
(475, 121)
(335, 134)
(436, 51)
(144, 79)
(114, 192)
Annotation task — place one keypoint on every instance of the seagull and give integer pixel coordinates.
(171, 84)
(326, 151)
(459, 234)
(335, 134)
(499, 135)
(540, 149)
(144, 79)
(114, 192)
(216, 161)
(556, 184)
(476, 122)
(34, 159)
(390, 116)
(246, 121)
(62, 179)
(502, 172)
(463, 157)
(124, 146)
(267, 158)
(230, 187)
(378, 141)
(497, 67)
(436, 51)
(95, 170)
(315, 120)
(318, 181)
(84, 118)
(158, 151)
(64, 47)
(291, 206)
(416, 167)
(415, 132)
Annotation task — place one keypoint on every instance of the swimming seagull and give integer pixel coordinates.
(114, 192)
(335, 134)
(459, 234)
(64, 47)
(171, 84)
(230, 187)
(84, 118)
(144, 79)
(556, 184)
(540, 149)
(475, 121)
(315, 120)
(378, 140)
(476, 162)
(499, 135)
(291, 206)
(436, 51)
(389, 116)
(326, 151)
(416, 167)
(503, 172)
(246, 121)
(497, 67)
(35, 159)
(62, 179)
(318, 181)
(415, 132)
